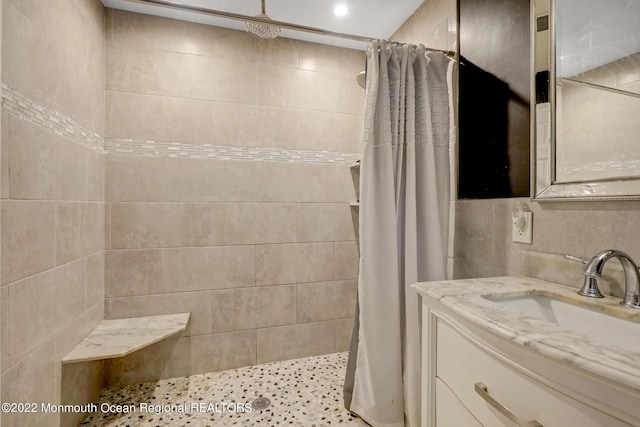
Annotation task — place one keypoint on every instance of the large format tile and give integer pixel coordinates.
(57, 81)
(25, 225)
(294, 263)
(347, 260)
(196, 303)
(158, 118)
(250, 308)
(134, 272)
(291, 342)
(4, 155)
(326, 301)
(218, 267)
(128, 29)
(95, 279)
(343, 332)
(140, 225)
(153, 271)
(43, 305)
(43, 165)
(208, 353)
(79, 230)
(324, 222)
(155, 72)
(40, 368)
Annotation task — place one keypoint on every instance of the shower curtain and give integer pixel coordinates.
(404, 215)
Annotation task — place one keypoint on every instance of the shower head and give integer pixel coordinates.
(260, 30)
(361, 78)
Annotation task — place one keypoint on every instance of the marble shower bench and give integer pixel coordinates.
(120, 337)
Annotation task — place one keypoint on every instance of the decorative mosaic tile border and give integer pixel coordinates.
(223, 152)
(18, 105)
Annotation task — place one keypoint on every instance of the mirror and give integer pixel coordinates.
(586, 99)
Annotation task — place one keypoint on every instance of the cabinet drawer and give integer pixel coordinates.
(460, 364)
(449, 411)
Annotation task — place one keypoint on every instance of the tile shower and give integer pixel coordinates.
(152, 166)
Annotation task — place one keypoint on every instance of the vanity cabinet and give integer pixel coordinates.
(460, 362)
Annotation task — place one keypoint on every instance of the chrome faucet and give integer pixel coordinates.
(593, 272)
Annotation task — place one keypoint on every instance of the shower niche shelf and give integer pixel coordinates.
(120, 337)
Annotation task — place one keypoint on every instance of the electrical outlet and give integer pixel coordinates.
(522, 228)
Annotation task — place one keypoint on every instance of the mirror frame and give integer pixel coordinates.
(620, 188)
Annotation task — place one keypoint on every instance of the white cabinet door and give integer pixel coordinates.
(461, 363)
(449, 411)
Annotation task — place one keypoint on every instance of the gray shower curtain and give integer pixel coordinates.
(404, 214)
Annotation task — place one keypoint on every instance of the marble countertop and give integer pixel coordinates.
(467, 299)
(117, 338)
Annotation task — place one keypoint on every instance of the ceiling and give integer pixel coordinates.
(371, 18)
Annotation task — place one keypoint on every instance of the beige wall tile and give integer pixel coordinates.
(250, 308)
(251, 125)
(283, 87)
(347, 184)
(134, 178)
(196, 303)
(207, 353)
(78, 329)
(137, 178)
(4, 331)
(43, 305)
(323, 222)
(221, 267)
(155, 72)
(134, 272)
(347, 260)
(107, 226)
(152, 271)
(325, 58)
(39, 368)
(295, 341)
(144, 365)
(62, 22)
(281, 51)
(348, 129)
(211, 180)
(57, 82)
(95, 175)
(95, 20)
(79, 230)
(43, 165)
(81, 384)
(474, 230)
(4, 156)
(137, 225)
(294, 182)
(343, 332)
(95, 279)
(159, 118)
(294, 263)
(326, 300)
(27, 225)
(128, 29)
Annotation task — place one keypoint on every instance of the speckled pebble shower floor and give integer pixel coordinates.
(303, 392)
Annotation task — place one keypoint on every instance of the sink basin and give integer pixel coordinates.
(607, 329)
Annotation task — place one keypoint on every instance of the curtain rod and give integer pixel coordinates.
(245, 18)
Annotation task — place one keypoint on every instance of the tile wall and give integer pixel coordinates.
(52, 211)
(228, 190)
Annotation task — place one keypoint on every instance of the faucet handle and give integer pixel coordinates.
(577, 259)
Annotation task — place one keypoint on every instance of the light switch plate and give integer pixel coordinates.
(523, 234)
